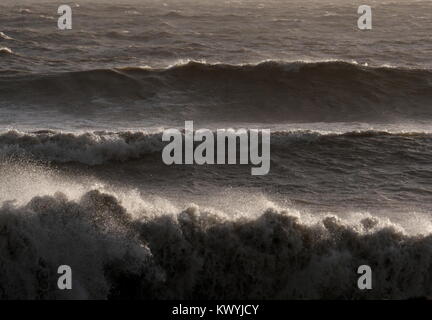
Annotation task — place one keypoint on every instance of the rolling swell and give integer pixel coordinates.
(277, 255)
(269, 91)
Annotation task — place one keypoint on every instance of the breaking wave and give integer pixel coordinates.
(88, 148)
(100, 147)
(115, 254)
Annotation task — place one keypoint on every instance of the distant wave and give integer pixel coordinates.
(4, 36)
(100, 147)
(185, 256)
(269, 91)
(6, 51)
(173, 14)
(24, 11)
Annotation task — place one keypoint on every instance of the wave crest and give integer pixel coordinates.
(6, 51)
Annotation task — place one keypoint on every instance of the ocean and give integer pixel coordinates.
(83, 184)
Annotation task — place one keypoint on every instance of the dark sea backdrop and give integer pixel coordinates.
(82, 181)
